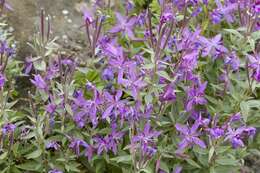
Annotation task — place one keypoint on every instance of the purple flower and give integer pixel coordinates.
(235, 117)
(189, 62)
(86, 110)
(2, 80)
(254, 65)
(205, 2)
(39, 82)
(189, 136)
(236, 136)
(168, 94)
(112, 51)
(89, 86)
(178, 169)
(68, 62)
(55, 171)
(114, 138)
(52, 145)
(189, 41)
(225, 79)
(129, 6)
(233, 61)
(115, 104)
(145, 140)
(93, 107)
(212, 47)
(109, 142)
(53, 70)
(217, 132)
(133, 82)
(166, 16)
(28, 65)
(108, 74)
(77, 144)
(196, 12)
(124, 25)
(139, 59)
(180, 4)
(141, 19)
(256, 6)
(5, 49)
(8, 128)
(223, 11)
(216, 16)
(5, 5)
(51, 108)
(87, 16)
(196, 96)
(101, 145)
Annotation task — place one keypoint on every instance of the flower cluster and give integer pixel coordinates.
(162, 87)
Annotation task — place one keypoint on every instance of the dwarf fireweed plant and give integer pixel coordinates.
(165, 86)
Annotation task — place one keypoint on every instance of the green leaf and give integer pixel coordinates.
(193, 163)
(227, 161)
(212, 170)
(4, 155)
(100, 166)
(72, 167)
(40, 65)
(244, 110)
(222, 149)
(251, 43)
(29, 135)
(29, 166)
(146, 170)
(34, 154)
(164, 167)
(148, 66)
(15, 170)
(164, 74)
(211, 153)
(253, 103)
(122, 159)
(9, 105)
(235, 32)
(68, 109)
(148, 98)
(228, 169)
(255, 35)
(5, 170)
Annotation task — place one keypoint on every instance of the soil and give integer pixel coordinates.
(66, 20)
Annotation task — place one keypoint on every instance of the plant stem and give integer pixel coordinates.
(248, 77)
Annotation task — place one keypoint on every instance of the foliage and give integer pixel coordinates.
(167, 86)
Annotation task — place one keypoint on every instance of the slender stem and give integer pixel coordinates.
(109, 4)
(48, 29)
(96, 35)
(157, 52)
(248, 77)
(42, 24)
(168, 36)
(40, 137)
(63, 82)
(1, 60)
(239, 14)
(47, 124)
(150, 27)
(5, 64)
(88, 33)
